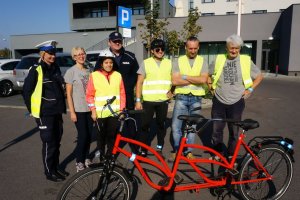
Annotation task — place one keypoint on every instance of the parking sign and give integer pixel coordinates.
(124, 17)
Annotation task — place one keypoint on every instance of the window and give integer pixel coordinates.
(138, 10)
(191, 4)
(9, 66)
(207, 14)
(229, 13)
(208, 1)
(259, 11)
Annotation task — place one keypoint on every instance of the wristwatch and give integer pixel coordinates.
(250, 89)
(137, 100)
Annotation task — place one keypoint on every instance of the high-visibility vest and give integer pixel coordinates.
(106, 90)
(245, 62)
(186, 69)
(36, 97)
(158, 80)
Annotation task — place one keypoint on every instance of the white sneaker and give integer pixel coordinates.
(88, 162)
(80, 166)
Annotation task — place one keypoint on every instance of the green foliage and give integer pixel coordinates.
(5, 53)
(190, 27)
(153, 28)
(173, 42)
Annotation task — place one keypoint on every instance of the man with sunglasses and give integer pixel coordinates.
(127, 66)
(154, 87)
(189, 77)
(45, 100)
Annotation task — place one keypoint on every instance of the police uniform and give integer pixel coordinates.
(44, 97)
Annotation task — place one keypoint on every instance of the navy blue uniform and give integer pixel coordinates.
(53, 105)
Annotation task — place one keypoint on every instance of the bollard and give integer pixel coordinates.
(276, 70)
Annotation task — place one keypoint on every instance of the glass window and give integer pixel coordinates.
(9, 66)
(207, 14)
(229, 13)
(208, 1)
(191, 4)
(259, 11)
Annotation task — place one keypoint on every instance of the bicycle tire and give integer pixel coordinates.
(82, 184)
(278, 164)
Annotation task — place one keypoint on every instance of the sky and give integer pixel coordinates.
(22, 17)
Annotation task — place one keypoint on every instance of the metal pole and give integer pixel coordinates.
(117, 22)
(239, 17)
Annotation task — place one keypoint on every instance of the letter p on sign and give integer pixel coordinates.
(124, 17)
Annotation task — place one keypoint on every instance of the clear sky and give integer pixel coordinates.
(19, 17)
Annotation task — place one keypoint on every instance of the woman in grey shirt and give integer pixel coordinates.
(76, 79)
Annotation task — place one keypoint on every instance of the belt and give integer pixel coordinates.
(189, 95)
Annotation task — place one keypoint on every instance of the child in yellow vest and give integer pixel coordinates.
(103, 85)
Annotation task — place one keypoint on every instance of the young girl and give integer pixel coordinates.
(103, 85)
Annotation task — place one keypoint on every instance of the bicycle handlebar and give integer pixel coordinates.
(123, 112)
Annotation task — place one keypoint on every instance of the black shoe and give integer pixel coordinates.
(63, 172)
(54, 177)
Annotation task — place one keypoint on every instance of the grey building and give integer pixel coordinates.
(270, 38)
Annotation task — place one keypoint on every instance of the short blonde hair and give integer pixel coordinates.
(75, 50)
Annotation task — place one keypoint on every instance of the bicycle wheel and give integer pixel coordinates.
(82, 184)
(278, 164)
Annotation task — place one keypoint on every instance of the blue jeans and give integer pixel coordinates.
(183, 106)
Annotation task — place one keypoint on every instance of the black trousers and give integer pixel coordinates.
(160, 109)
(84, 126)
(220, 110)
(51, 130)
(107, 133)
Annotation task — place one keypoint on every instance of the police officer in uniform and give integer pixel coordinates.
(44, 97)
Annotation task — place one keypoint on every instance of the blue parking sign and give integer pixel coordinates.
(124, 17)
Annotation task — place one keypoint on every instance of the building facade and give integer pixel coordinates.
(271, 38)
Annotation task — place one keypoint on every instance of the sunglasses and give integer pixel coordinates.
(159, 49)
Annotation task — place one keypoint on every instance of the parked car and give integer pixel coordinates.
(7, 79)
(92, 56)
(64, 60)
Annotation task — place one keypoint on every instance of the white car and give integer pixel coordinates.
(64, 61)
(7, 78)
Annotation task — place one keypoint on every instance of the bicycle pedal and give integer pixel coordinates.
(164, 181)
(233, 172)
(178, 179)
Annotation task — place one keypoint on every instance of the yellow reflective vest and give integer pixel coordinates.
(157, 82)
(36, 97)
(245, 62)
(106, 90)
(186, 69)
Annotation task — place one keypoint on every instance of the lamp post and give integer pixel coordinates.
(239, 17)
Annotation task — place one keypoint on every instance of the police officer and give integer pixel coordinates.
(44, 97)
(154, 86)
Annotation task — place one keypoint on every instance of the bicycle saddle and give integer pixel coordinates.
(194, 118)
(247, 124)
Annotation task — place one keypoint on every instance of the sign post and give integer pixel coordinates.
(124, 20)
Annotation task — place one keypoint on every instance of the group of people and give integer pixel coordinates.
(231, 78)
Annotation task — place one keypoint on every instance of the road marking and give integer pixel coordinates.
(10, 106)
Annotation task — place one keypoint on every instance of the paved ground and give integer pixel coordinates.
(275, 105)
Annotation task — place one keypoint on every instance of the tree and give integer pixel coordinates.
(190, 27)
(173, 42)
(153, 28)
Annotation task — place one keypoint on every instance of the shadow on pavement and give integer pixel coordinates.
(20, 138)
